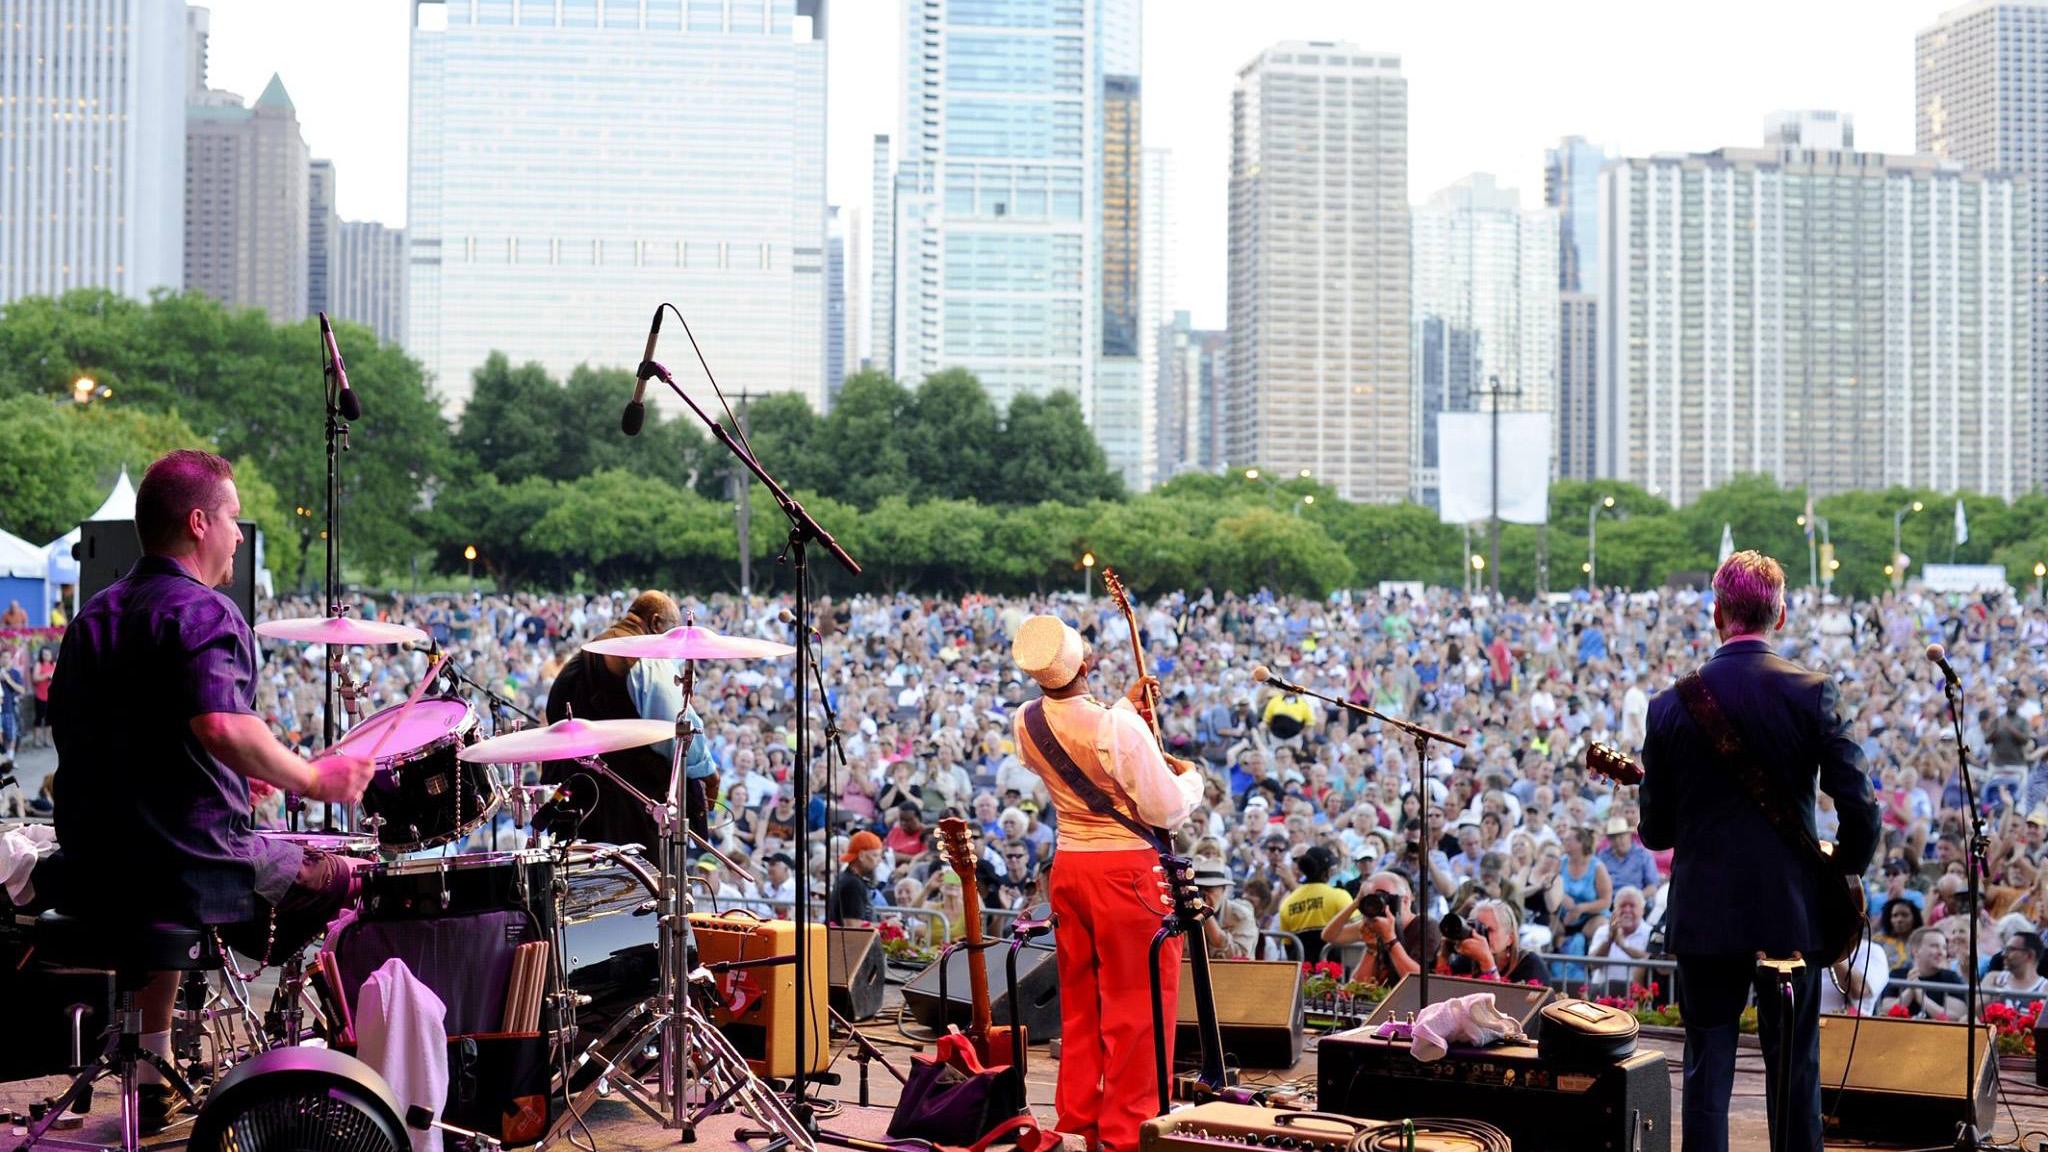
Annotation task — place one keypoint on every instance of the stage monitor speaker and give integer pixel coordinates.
(1543, 1105)
(1038, 987)
(1258, 1010)
(757, 1006)
(1522, 1003)
(1904, 1079)
(107, 549)
(854, 967)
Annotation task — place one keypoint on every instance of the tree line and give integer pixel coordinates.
(933, 486)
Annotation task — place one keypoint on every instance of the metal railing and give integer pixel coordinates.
(933, 916)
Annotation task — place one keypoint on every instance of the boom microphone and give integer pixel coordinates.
(1265, 675)
(636, 411)
(1939, 655)
(576, 797)
(350, 407)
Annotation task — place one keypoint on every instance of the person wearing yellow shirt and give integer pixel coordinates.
(1314, 902)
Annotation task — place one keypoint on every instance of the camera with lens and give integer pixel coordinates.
(1455, 929)
(1377, 904)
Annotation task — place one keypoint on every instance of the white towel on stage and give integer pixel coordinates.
(20, 848)
(401, 1032)
(1468, 1022)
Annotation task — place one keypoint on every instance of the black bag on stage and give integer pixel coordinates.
(949, 1097)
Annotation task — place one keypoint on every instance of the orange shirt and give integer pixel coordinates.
(1114, 748)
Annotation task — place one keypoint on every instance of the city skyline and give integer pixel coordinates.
(356, 115)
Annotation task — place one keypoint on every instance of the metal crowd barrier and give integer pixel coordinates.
(936, 918)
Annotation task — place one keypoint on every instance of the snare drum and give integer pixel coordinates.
(422, 796)
(433, 886)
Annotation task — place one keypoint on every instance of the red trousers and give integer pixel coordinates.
(1109, 904)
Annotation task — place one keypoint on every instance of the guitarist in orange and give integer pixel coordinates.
(1731, 760)
(1106, 888)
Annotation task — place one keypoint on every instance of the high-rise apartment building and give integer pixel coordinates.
(1193, 365)
(854, 283)
(1839, 320)
(1981, 99)
(198, 30)
(1578, 383)
(323, 233)
(573, 164)
(1004, 183)
(92, 146)
(1485, 286)
(1124, 421)
(1319, 257)
(1571, 187)
(882, 265)
(247, 196)
(370, 266)
(1158, 289)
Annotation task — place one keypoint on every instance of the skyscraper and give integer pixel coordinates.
(1840, 320)
(1319, 257)
(1981, 99)
(1578, 383)
(247, 176)
(1001, 194)
(1571, 187)
(92, 145)
(1821, 129)
(370, 278)
(1485, 274)
(323, 229)
(882, 265)
(835, 300)
(855, 285)
(1158, 288)
(1571, 184)
(1193, 364)
(574, 164)
(1123, 419)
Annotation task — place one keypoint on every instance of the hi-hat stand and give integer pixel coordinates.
(804, 530)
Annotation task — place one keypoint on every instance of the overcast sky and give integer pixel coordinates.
(1492, 83)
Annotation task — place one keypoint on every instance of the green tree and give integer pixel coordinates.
(862, 439)
(513, 423)
(953, 439)
(1050, 454)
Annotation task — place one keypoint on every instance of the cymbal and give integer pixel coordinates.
(689, 642)
(339, 630)
(567, 740)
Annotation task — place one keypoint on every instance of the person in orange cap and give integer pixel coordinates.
(1114, 792)
(853, 899)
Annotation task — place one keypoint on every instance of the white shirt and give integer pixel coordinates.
(1638, 940)
(1869, 960)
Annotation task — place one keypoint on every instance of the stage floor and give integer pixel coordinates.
(614, 1124)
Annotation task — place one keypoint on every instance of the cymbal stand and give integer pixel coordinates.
(691, 1049)
(330, 590)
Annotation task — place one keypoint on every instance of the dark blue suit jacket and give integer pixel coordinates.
(1736, 887)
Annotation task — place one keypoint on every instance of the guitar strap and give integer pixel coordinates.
(1706, 712)
(1080, 783)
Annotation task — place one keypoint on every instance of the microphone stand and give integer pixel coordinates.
(804, 530)
(337, 438)
(1422, 736)
(1968, 1138)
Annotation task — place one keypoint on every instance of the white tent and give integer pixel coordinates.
(23, 577)
(119, 505)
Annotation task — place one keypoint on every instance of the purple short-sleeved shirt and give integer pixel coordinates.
(152, 825)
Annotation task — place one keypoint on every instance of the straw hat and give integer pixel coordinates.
(1048, 651)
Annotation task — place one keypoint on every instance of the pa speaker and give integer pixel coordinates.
(1902, 1081)
(107, 549)
(1258, 1010)
(1038, 990)
(854, 969)
(1522, 1003)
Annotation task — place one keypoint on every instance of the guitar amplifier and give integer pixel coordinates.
(1206, 1126)
(1612, 1106)
(1258, 1011)
(756, 1007)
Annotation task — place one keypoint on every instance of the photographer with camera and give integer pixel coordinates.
(1383, 918)
(1488, 946)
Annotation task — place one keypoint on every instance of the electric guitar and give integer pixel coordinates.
(995, 1044)
(1114, 585)
(1843, 908)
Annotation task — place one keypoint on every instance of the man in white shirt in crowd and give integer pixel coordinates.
(1626, 936)
(1857, 983)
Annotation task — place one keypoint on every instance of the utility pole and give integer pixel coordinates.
(1493, 548)
(740, 484)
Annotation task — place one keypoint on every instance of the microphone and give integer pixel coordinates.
(1939, 655)
(576, 796)
(788, 617)
(351, 408)
(1265, 675)
(636, 411)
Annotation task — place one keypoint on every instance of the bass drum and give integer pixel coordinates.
(609, 925)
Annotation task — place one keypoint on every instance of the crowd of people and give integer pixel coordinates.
(1310, 834)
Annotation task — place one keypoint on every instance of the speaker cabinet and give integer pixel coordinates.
(854, 964)
(757, 1006)
(107, 549)
(1901, 1081)
(1038, 989)
(1522, 1003)
(1258, 1010)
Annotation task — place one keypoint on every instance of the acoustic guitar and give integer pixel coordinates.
(1843, 907)
(995, 1044)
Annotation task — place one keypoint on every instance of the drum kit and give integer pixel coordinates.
(435, 783)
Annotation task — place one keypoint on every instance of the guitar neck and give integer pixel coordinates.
(977, 966)
(1138, 660)
(1212, 1071)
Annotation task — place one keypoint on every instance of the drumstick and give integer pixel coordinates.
(418, 690)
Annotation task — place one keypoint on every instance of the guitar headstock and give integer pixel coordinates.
(956, 840)
(1114, 585)
(1177, 882)
(1611, 762)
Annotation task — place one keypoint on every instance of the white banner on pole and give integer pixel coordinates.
(1465, 467)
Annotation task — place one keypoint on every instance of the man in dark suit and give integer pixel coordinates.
(1740, 892)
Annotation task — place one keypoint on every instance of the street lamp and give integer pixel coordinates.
(469, 554)
(1592, 555)
(1898, 518)
(2040, 570)
(85, 390)
(1088, 574)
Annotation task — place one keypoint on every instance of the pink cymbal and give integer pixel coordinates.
(339, 630)
(689, 642)
(567, 740)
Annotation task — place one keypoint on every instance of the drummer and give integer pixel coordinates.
(159, 745)
(596, 687)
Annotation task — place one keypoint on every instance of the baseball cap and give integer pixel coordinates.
(862, 841)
